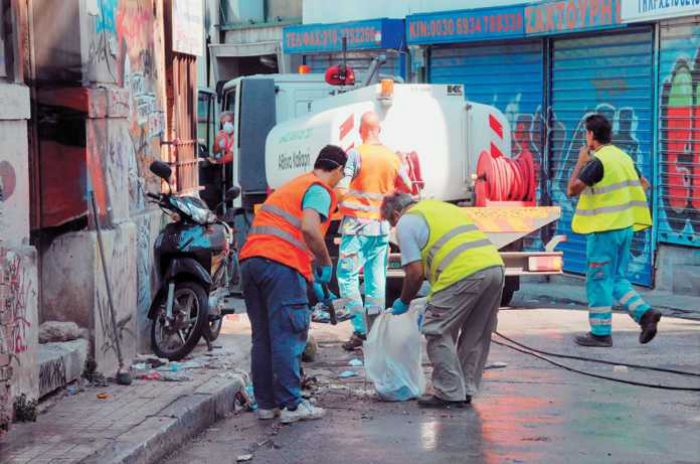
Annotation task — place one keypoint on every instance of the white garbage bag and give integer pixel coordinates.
(393, 355)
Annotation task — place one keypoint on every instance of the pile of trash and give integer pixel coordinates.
(320, 312)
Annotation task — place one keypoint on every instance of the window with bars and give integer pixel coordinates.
(184, 121)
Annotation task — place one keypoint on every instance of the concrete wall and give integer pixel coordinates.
(14, 165)
(101, 126)
(81, 296)
(18, 262)
(323, 11)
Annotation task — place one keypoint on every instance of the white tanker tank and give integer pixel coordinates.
(432, 127)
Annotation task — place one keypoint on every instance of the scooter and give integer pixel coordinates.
(196, 259)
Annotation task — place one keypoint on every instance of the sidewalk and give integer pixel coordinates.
(136, 423)
(569, 290)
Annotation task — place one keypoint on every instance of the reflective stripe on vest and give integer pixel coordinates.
(612, 209)
(445, 238)
(276, 230)
(379, 167)
(456, 248)
(617, 202)
(295, 222)
(279, 233)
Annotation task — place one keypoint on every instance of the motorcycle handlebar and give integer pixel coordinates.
(153, 195)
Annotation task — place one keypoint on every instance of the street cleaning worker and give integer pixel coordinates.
(466, 274)
(371, 173)
(277, 259)
(613, 205)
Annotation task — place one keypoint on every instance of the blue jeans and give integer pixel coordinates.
(608, 255)
(370, 253)
(278, 308)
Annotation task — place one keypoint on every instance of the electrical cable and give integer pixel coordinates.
(599, 361)
(597, 376)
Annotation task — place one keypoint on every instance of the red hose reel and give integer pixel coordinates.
(504, 179)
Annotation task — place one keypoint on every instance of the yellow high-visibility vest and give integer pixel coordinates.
(618, 201)
(456, 247)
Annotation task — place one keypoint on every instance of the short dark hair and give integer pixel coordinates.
(331, 157)
(600, 126)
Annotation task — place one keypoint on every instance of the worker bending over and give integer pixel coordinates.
(613, 205)
(371, 173)
(285, 237)
(466, 274)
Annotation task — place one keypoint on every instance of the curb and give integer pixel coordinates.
(164, 432)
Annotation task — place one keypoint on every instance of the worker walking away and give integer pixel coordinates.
(284, 250)
(466, 274)
(371, 173)
(612, 206)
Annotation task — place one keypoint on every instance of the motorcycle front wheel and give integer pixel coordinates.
(176, 338)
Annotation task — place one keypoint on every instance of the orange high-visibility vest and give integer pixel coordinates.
(379, 168)
(276, 230)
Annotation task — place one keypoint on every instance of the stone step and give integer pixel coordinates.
(60, 364)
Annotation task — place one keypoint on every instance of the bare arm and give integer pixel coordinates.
(413, 281)
(576, 186)
(311, 229)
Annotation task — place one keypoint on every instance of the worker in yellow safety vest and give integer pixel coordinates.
(611, 208)
(440, 243)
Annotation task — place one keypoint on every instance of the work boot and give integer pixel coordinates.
(602, 341)
(268, 414)
(356, 341)
(304, 411)
(432, 401)
(649, 321)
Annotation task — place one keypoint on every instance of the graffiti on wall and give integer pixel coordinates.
(120, 262)
(124, 46)
(679, 220)
(15, 289)
(625, 124)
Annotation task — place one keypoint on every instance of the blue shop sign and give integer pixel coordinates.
(466, 25)
(371, 34)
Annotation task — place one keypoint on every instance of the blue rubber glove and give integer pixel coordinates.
(324, 274)
(318, 291)
(399, 307)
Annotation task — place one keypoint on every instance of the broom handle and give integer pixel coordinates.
(104, 272)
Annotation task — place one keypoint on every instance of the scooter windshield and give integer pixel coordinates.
(195, 209)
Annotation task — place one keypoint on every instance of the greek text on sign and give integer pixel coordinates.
(571, 16)
(328, 38)
(646, 10)
(466, 25)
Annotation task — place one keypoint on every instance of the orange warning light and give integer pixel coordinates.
(387, 88)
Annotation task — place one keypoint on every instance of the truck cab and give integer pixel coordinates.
(258, 104)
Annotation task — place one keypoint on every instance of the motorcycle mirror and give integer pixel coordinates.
(232, 193)
(161, 169)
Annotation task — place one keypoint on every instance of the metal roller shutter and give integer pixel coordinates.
(507, 76)
(611, 74)
(678, 211)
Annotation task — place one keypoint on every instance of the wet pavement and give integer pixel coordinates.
(526, 412)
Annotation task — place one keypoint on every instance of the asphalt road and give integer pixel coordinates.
(526, 412)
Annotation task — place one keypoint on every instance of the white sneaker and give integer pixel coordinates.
(268, 414)
(305, 411)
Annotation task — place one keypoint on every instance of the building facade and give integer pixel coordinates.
(547, 65)
(94, 91)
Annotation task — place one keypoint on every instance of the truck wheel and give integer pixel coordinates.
(511, 286)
